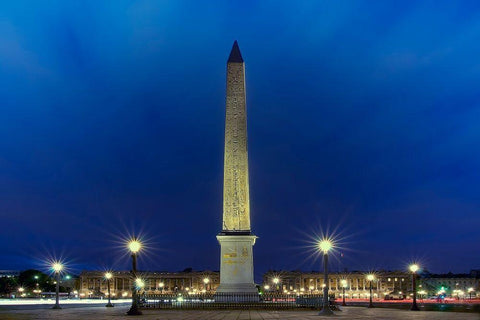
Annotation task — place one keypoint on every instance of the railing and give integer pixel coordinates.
(232, 301)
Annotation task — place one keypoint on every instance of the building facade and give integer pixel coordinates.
(387, 284)
(9, 273)
(463, 285)
(94, 284)
(356, 284)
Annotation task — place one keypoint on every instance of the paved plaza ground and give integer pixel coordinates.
(351, 313)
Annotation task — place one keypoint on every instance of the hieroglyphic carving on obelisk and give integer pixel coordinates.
(236, 239)
(236, 199)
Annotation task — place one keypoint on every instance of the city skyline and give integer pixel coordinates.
(361, 126)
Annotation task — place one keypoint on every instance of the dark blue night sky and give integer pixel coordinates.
(363, 118)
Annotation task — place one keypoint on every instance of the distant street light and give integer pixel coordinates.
(414, 268)
(205, 283)
(276, 281)
(57, 267)
(325, 245)
(139, 283)
(134, 246)
(371, 278)
(344, 285)
(470, 291)
(108, 277)
(161, 285)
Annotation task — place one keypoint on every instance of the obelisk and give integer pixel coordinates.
(236, 239)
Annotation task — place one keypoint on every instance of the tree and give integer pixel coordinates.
(8, 285)
(32, 279)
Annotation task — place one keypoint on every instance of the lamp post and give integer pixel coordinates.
(470, 290)
(108, 277)
(140, 284)
(370, 277)
(275, 282)
(205, 283)
(344, 285)
(134, 246)
(57, 267)
(325, 245)
(414, 268)
(161, 285)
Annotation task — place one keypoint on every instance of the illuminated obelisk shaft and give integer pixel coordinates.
(236, 239)
(236, 199)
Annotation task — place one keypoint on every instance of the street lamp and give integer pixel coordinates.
(205, 283)
(161, 285)
(57, 267)
(108, 277)
(344, 285)
(414, 268)
(325, 245)
(470, 290)
(134, 246)
(139, 283)
(371, 278)
(276, 281)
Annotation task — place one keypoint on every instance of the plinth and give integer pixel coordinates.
(236, 268)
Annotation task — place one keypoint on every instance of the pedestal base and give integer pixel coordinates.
(236, 269)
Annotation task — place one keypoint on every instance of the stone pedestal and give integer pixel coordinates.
(236, 268)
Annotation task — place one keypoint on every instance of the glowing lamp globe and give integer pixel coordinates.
(139, 283)
(276, 280)
(370, 277)
(344, 283)
(325, 245)
(57, 267)
(134, 246)
(414, 268)
(108, 275)
(206, 280)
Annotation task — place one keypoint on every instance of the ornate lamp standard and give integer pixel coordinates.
(134, 246)
(325, 245)
(414, 268)
(57, 267)
(108, 277)
(371, 278)
(344, 285)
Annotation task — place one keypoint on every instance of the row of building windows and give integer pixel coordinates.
(354, 284)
